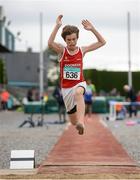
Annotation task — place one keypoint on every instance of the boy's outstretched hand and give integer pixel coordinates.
(87, 25)
(59, 20)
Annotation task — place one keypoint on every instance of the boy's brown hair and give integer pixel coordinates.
(68, 30)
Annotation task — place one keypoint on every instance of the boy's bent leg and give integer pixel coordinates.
(73, 118)
(80, 104)
(80, 109)
(74, 121)
(80, 128)
(76, 114)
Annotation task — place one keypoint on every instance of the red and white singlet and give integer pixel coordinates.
(71, 68)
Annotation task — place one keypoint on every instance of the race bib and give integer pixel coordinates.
(71, 73)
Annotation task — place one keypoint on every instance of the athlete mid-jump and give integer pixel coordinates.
(71, 68)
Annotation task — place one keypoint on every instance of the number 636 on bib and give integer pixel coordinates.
(71, 73)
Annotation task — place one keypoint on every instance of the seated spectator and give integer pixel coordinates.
(120, 111)
(138, 96)
(131, 97)
(30, 95)
(45, 97)
(4, 96)
(36, 95)
(113, 92)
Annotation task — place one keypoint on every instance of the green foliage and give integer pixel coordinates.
(51, 51)
(1, 72)
(107, 80)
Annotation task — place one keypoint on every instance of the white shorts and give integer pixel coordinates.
(69, 97)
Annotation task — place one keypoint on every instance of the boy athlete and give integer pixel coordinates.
(71, 68)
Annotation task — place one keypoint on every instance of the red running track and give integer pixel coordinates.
(95, 151)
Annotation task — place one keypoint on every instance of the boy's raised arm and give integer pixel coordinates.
(51, 44)
(100, 40)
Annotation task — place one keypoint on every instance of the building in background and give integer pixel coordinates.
(7, 39)
(22, 68)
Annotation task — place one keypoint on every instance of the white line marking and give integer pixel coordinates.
(103, 122)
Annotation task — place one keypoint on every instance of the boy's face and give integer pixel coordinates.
(71, 41)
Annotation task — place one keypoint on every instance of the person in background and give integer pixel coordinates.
(36, 95)
(4, 96)
(113, 92)
(88, 96)
(45, 99)
(57, 94)
(138, 96)
(132, 98)
(0, 99)
(30, 95)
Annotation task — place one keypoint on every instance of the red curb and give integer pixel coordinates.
(96, 150)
